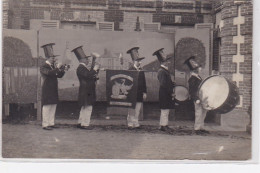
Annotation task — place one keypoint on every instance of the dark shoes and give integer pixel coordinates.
(165, 129)
(130, 128)
(54, 127)
(50, 127)
(201, 132)
(47, 128)
(134, 128)
(84, 127)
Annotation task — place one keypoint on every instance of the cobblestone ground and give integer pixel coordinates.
(117, 142)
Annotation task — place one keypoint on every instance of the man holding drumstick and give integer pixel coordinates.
(194, 82)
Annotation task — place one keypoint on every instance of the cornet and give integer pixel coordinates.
(95, 63)
(61, 67)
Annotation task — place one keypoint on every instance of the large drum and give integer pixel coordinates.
(218, 94)
(181, 93)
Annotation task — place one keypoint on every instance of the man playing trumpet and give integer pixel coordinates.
(87, 75)
(50, 71)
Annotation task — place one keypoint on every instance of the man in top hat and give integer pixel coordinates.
(194, 82)
(166, 94)
(87, 75)
(133, 114)
(50, 72)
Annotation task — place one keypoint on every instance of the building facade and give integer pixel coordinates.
(124, 14)
(232, 23)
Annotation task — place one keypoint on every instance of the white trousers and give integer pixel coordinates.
(164, 117)
(85, 114)
(133, 115)
(200, 115)
(48, 114)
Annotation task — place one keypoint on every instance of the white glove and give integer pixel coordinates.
(96, 67)
(144, 96)
(59, 65)
(198, 101)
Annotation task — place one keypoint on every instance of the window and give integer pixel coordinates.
(177, 19)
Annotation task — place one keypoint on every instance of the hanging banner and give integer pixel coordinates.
(121, 87)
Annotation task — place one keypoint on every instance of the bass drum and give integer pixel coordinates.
(181, 93)
(219, 94)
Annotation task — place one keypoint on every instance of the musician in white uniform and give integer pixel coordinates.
(194, 82)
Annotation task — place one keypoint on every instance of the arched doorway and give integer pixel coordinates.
(185, 48)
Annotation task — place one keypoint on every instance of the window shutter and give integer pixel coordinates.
(153, 27)
(50, 24)
(105, 26)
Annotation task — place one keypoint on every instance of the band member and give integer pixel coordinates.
(166, 95)
(194, 82)
(50, 71)
(133, 114)
(87, 75)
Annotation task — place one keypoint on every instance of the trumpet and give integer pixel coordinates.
(94, 62)
(62, 67)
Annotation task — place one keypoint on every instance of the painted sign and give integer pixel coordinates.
(121, 87)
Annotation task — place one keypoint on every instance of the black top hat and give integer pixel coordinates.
(48, 50)
(191, 63)
(160, 55)
(134, 54)
(79, 52)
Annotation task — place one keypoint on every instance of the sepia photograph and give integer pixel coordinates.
(129, 80)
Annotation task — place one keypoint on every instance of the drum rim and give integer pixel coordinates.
(207, 79)
(187, 90)
(181, 86)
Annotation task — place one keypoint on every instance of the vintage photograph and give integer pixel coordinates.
(127, 80)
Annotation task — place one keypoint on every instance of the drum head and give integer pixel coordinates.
(213, 92)
(181, 93)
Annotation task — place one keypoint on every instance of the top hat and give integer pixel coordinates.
(48, 50)
(134, 54)
(79, 52)
(191, 63)
(160, 55)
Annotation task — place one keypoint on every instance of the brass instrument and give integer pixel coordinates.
(62, 67)
(95, 63)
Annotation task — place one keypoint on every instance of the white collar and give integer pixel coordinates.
(137, 68)
(84, 65)
(163, 66)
